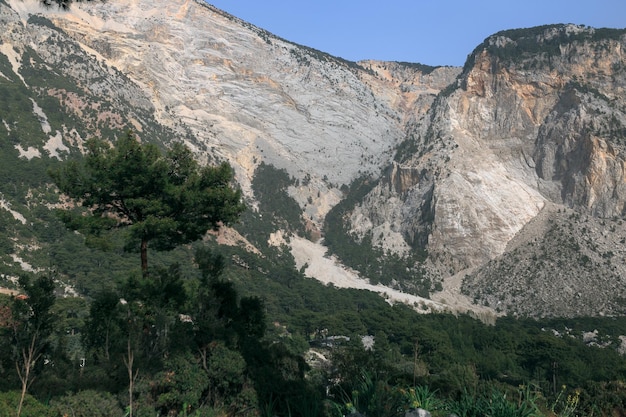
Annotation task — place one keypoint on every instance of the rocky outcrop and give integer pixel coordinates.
(563, 263)
(580, 153)
(249, 96)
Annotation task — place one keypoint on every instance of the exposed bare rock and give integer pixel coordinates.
(536, 118)
(249, 96)
(561, 264)
(185, 70)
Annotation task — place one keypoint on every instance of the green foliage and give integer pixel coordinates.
(149, 321)
(180, 385)
(247, 366)
(370, 396)
(36, 19)
(165, 200)
(454, 352)
(602, 397)
(303, 54)
(70, 314)
(565, 405)
(32, 323)
(422, 397)
(406, 149)
(276, 207)
(88, 403)
(31, 408)
(370, 261)
(539, 43)
(225, 369)
(100, 330)
(164, 289)
(34, 310)
(358, 255)
(425, 69)
(495, 403)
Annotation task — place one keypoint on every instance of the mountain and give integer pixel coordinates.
(501, 182)
(519, 176)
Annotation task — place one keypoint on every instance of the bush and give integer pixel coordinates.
(31, 407)
(496, 404)
(179, 386)
(88, 403)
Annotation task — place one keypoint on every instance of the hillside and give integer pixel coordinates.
(376, 192)
(411, 175)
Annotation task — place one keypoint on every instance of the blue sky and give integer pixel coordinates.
(433, 32)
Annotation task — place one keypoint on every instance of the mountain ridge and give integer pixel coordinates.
(463, 158)
(519, 130)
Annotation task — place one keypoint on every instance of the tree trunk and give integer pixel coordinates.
(129, 359)
(24, 379)
(29, 356)
(106, 340)
(22, 396)
(144, 257)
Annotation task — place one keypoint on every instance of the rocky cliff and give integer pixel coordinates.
(535, 119)
(466, 161)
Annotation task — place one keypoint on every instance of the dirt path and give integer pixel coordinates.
(8, 291)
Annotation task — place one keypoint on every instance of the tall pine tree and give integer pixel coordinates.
(162, 200)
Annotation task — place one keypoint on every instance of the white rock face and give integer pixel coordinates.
(329, 271)
(513, 136)
(247, 95)
(230, 90)
(487, 194)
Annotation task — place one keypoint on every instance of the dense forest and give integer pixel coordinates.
(214, 330)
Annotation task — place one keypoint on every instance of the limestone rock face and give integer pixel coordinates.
(533, 128)
(248, 96)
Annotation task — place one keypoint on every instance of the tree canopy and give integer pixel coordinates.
(165, 199)
(62, 4)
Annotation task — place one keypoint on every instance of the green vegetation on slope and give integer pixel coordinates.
(453, 356)
(372, 262)
(224, 292)
(539, 43)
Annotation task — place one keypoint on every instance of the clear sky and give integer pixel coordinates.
(432, 32)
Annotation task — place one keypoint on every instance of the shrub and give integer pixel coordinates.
(423, 397)
(88, 403)
(31, 407)
(495, 404)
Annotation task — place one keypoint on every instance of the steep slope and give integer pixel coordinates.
(433, 173)
(563, 263)
(54, 94)
(249, 96)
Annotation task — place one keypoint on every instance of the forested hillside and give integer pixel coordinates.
(213, 329)
(226, 331)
